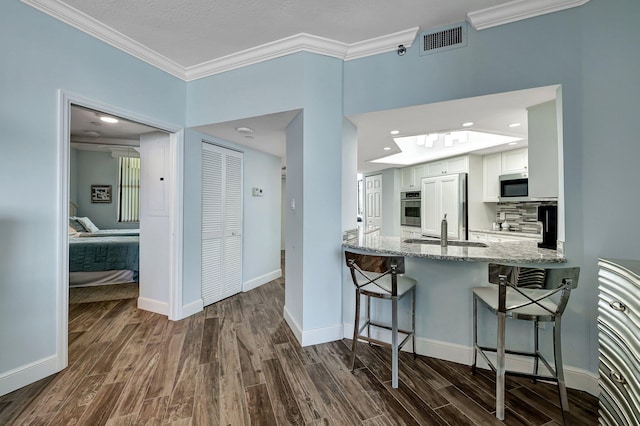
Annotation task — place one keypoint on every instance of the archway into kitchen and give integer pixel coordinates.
(485, 137)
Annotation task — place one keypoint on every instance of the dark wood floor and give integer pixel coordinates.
(238, 363)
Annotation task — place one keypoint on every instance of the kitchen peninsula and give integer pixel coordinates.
(445, 276)
(506, 252)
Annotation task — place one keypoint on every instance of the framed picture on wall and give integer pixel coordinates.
(100, 193)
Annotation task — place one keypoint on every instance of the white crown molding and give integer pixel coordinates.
(296, 43)
(97, 29)
(481, 19)
(517, 10)
(302, 43)
(386, 43)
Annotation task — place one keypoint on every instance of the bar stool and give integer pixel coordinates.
(381, 277)
(530, 294)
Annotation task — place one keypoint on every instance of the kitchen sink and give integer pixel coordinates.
(455, 243)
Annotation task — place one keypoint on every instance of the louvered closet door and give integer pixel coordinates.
(221, 223)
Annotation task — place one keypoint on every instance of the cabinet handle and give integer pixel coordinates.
(618, 305)
(617, 377)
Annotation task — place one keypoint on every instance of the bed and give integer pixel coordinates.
(99, 257)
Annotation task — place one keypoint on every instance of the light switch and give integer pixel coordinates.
(257, 192)
(293, 204)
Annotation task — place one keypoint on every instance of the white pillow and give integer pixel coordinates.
(88, 225)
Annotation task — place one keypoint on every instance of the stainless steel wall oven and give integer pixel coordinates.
(410, 208)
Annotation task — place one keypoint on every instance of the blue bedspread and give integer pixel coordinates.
(104, 254)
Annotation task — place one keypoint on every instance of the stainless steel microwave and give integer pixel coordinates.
(514, 187)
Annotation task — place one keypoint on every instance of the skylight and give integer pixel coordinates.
(426, 147)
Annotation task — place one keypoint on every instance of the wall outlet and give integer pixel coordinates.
(257, 192)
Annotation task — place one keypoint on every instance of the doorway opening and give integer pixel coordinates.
(106, 200)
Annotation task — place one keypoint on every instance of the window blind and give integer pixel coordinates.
(129, 189)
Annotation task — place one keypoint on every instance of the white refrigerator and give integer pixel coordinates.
(442, 195)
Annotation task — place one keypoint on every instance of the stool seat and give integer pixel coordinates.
(519, 306)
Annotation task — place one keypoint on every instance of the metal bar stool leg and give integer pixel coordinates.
(356, 328)
(536, 349)
(394, 342)
(557, 354)
(413, 320)
(475, 335)
(500, 368)
(368, 312)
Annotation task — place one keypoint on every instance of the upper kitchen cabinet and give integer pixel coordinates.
(411, 177)
(491, 170)
(543, 150)
(448, 166)
(515, 161)
(501, 163)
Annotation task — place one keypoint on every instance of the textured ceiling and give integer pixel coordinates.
(190, 32)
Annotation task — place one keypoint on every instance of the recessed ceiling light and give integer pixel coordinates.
(246, 130)
(513, 143)
(395, 132)
(387, 148)
(249, 137)
(92, 133)
(467, 124)
(514, 124)
(108, 119)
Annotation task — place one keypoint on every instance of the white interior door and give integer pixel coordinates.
(155, 222)
(221, 223)
(373, 194)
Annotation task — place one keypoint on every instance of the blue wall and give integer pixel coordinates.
(96, 168)
(39, 56)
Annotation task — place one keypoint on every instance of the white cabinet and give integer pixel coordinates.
(410, 232)
(501, 163)
(491, 170)
(493, 238)
(543, 150)
(500, 238)
(411, 177)
(515, 161)
(477, 236)
(447, 166)
(441, 195)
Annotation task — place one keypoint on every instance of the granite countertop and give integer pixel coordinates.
(508, 252)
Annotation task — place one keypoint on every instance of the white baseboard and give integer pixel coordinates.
(315, 336)
(293, 325)
(262, 279)
(190, 309)
(575, 378)
(153, 305)
(27, 374)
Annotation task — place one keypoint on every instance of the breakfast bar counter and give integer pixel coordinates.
(525, 252)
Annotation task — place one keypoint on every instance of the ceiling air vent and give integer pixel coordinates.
(445, 38)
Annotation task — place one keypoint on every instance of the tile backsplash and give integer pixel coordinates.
(521, 216)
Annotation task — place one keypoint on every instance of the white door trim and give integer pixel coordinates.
(177, 148)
